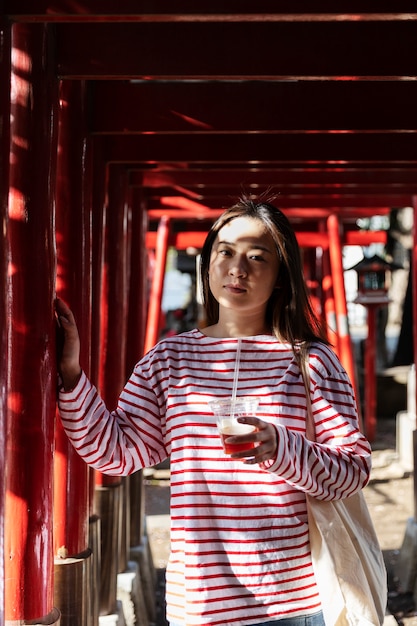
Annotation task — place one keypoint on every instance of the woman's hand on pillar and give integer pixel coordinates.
(68, 346)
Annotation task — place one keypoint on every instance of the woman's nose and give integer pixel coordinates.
(238, 268)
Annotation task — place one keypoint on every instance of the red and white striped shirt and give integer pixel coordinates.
(239, 534)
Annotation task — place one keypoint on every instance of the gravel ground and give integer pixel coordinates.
(390, 497)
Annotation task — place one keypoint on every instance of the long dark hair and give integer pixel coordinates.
(289, 312)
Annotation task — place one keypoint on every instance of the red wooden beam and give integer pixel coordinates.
(63, 10)
(184, 240)
(319, 149)
(364, 237)
(177, 196)
(166, 175)
(295, 213)
(182, 106)
(301, 204)
(157, 50)
(199, 190)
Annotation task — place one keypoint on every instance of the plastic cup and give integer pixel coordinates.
(227, 411)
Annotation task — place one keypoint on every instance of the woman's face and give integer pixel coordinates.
(243, 266)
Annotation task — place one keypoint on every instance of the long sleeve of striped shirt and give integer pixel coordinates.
(239, 533)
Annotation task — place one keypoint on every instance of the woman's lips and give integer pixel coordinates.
(234, 288)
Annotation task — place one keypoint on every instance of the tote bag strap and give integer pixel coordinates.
(302, 356)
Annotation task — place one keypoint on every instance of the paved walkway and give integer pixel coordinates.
(390, 496)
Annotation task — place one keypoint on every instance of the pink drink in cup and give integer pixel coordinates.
(235, 429)
(227, 412)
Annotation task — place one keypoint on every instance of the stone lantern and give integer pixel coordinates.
(372, 281)
(372, 293)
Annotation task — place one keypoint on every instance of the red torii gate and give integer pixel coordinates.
(35, 530)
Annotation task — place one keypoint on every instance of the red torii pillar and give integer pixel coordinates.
(139, 546)
(328, 295)
(5, 69)
(344, 339)
(155, 300)
(97, 343)
(32, 363)
(138, 290)
(114, 307)
(135, 346)
(73, 560)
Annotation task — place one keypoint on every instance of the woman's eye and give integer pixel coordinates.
(224, 252)
(257, 257)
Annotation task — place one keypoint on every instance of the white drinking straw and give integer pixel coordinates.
(236, 376)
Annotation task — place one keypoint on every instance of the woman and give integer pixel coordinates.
(239, 531)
